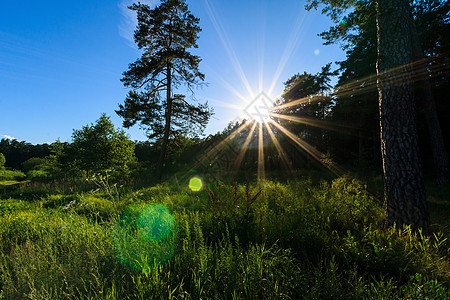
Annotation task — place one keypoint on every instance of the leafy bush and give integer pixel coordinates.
(39, 175)
(35, 163)
(11, 175)
(2, 161)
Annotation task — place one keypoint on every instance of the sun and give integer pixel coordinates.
(259, 108)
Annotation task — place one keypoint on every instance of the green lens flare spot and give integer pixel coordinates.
(196, 184)
(144, 237)
(156, 222)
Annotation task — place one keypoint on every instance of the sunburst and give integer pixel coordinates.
(263, 118)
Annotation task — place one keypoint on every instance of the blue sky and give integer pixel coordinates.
(61, 61)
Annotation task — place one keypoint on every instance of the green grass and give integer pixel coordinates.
(289, 240)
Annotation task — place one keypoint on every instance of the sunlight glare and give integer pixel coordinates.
(259, 109)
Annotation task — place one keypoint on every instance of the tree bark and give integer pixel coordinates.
(440, 159)
(404, 188)
(168, 116)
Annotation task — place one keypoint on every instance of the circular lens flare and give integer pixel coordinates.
(144, 237)
(196, 184)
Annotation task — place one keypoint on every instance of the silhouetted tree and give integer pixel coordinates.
(404, 188)
(16, 153)
(308, 93)
(433, 12)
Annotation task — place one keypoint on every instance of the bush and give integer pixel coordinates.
(11, 175)
(38, 175)
(35, 163)
(2, 161)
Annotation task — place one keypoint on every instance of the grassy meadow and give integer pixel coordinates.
(311, 239)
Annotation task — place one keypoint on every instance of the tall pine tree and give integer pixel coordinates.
(164, 33)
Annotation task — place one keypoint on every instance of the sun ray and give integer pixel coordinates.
(300, 101)
(227, 45)
(219, 146)
(208, 156)
(261, 70)
(311, 150)
(289, 49)
(278, 147)
(228, 86)
(244, 148)
(319, 123)
(369, 83)
(261, 46)
(261, 173)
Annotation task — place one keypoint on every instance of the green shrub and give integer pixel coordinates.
(11, 175)
(35, 163)
(2, 161)
(39, 175)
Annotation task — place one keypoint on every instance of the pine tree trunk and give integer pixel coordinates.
(440, 158)
(168, 116)
(405, 198)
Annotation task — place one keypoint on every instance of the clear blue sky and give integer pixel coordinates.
(61, 61)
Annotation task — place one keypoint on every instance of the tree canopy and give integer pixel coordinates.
(99, 147)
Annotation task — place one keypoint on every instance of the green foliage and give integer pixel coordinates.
(34, 163)
(39, 175)
(100, 147)
(17, 152)
(11, 175)
(2, 161)
(289, 240)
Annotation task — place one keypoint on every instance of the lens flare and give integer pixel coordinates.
(144, 237)
(196, 184)
(343, 24)
(155, 222)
